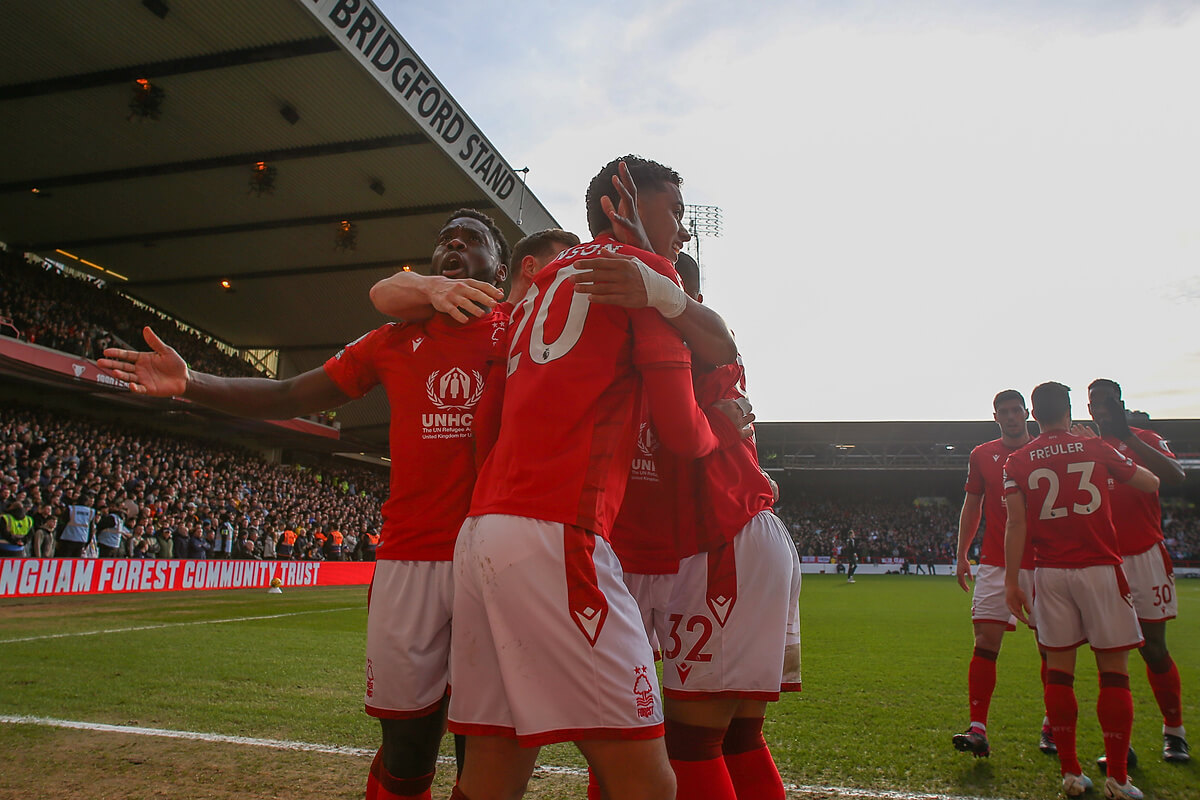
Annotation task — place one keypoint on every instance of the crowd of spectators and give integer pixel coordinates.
(152, 494)
(927, 532)
(141, 493)
(42, 305)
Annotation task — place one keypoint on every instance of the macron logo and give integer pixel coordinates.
(720, 607)
(79, 368)
(684, 669)
(995, 457)
(417, 342)
(589, 623)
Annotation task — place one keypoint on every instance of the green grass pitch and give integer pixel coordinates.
(885, 663)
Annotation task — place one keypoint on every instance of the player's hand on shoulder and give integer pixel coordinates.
(1084, 431)
(616, 280)
(159, 373)
(463, 298)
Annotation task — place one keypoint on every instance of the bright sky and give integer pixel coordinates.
(923, 202)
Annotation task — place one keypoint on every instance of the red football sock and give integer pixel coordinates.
(382, 785)
(1114, 707)
(981, 682)
(593, 790)
(700, 771)
(1063, 710)
(1164, 681)
(748, 759)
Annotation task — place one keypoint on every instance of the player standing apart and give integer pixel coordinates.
(1138, 519)
(1056, 489)
(849, 555)
(989, 608)
(433, 372)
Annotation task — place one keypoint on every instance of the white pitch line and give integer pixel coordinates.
(284, 744)
(174, 625)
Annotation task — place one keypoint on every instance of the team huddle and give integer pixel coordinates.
(588, 496)
(1073, 547)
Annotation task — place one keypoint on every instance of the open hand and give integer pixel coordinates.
(159, 373)
(627, 224)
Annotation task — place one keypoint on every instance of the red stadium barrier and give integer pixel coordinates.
(44, 577)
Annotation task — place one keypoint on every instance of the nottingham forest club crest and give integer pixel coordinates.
(454, 393)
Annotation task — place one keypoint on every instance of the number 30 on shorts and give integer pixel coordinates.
(1163, 594)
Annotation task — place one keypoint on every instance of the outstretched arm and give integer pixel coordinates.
(413, 296)
(163, 373)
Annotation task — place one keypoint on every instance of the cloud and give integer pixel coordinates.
(923, 203)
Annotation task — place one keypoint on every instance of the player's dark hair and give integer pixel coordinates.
(1005, 396)
(1051, 401)
(689, 272)
(542, 243)
(498, 240)
(646, 174)
(1106, 383)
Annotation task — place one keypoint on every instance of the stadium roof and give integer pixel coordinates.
(153, 193)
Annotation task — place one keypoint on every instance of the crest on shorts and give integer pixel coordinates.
(643, 693)
(370, 679)
(454, 389)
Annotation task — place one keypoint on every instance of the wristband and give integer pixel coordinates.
(662, 294)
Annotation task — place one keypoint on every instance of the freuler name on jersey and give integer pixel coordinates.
(1055, 450)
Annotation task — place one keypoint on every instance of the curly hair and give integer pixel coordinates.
(646, 174)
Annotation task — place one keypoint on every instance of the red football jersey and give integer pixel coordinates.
(657, 505)
(434, 374)
(1066, 481)
(731, 488)
(985, 476)
(1136, 515)
(567, 435)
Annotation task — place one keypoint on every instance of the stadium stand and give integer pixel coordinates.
(43, 305)
(216, 497)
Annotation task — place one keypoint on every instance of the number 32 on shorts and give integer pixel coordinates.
(675, 645)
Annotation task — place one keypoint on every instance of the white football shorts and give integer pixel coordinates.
(548, 644)
(1152, 580)
(1087, 604)
(408, 637)
(651, 593)
(989, 602)
(732, 627)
